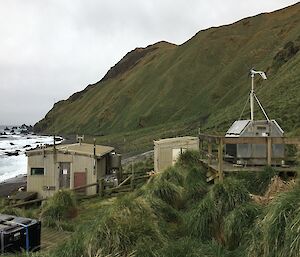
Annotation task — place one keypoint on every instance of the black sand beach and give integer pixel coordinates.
(11, 185)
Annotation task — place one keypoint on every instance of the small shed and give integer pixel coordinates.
(254, 154)
(167, 151)
(69, 166)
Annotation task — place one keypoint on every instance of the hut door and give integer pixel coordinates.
(80, 180)
(64, 175)
(176, 153)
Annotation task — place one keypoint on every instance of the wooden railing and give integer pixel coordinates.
(220, 141)
(127, 185)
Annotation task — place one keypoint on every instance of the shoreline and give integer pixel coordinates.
(11, 185)
(19, 146)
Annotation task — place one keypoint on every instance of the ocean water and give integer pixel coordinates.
(12, 166)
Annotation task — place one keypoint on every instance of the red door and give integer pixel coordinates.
(80, 180)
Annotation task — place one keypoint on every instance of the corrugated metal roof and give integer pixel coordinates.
(237, 127)
(84, 149)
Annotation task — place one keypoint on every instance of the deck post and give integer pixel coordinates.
(209, 150)
(200, 147)
(101, 187)
(269, 151)
(132, 177)
(220, 160)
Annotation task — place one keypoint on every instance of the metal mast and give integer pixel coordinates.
(253, 96)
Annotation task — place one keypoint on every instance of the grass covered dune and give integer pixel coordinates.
(178, 214)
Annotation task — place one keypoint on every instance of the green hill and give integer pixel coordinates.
(166, 89)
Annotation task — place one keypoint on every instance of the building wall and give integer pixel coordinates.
(165, 150)
(85, 164)
(257, 153)
(48, 183)
(36, 183)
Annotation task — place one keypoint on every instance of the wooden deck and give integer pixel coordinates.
(216, 164)
(53, 237)
(230, 168)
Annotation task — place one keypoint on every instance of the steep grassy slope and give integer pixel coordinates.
(203, 82)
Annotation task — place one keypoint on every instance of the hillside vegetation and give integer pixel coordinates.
(166, 89)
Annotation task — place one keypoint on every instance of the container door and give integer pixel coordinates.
(64, 175)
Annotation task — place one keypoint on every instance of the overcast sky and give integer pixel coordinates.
(50, 49)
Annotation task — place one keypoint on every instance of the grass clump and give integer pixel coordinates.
(195, 184)
(129, 225)
(186, 246)
(206, 219)
(59, 208)
(173, 175)
(229, 195)
(201, 219)
(238, 222)
(190, 158)
(167, 191)
(167, 186)
(163, 210)
(292, 236)
(279, 225)
(257, 182)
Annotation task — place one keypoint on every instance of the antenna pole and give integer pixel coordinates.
(252, 97)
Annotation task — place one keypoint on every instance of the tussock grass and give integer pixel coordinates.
(163, 210)
(166, 186)
(201, 219)
(189, 159)
(279, 224)
(186, 246)
(124, 227)
(229, 195)
(173, 175)
(292, 236)
(238, 223)
(166, 191)
(214, 249)
(206, 219)
(59, 208)
(195, 184)
(257, 182)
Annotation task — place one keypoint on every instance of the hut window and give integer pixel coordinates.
(37, 171)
